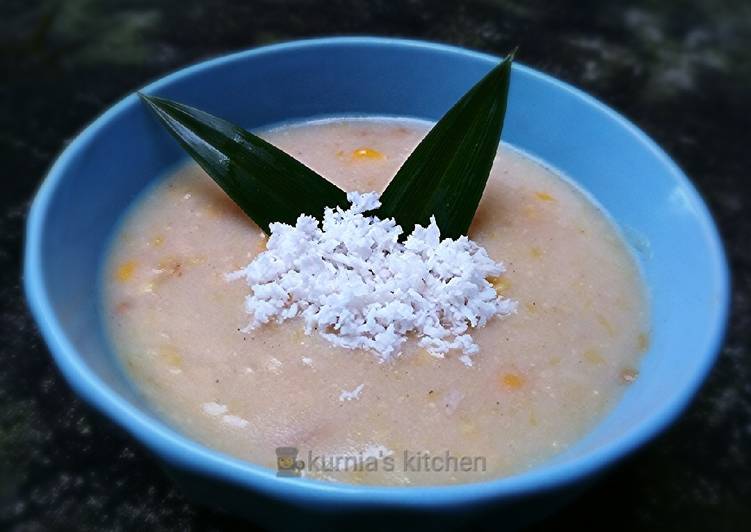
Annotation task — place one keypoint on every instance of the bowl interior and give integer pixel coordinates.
(113, 160)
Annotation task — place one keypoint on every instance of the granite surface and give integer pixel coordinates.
(680, 70)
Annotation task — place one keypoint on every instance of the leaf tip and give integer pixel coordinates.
(148, 100)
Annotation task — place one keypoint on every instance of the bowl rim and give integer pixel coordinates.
(182, 452)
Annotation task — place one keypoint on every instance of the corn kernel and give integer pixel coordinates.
(530, 212)
(423, 357)
(170, 355)
(606, 324)
(298, 335)
(467, 427)
(544, 196)
(594, 357)
(629, 375)
(170, 266)
(359, 476)
(125, 271)
(512, 381)
(212, 211)
(500, 284)
(367, 153)
(642, 342)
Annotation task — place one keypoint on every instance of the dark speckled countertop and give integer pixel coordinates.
(680, 70)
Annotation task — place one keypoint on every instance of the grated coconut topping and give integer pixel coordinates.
(353, 282)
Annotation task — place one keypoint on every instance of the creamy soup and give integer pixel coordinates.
(543, 377)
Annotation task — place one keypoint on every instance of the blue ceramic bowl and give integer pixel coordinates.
(115, 158)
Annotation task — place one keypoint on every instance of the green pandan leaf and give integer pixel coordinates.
(444, 177)
(446, 174)
(266, 183)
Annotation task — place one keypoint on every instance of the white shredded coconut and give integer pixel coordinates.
(453, 398)
(307, 361)
(214, 409)
(376, 451)
(466, 360)
(235, 421)
(274, 365)
(354, 394)
(354, 282)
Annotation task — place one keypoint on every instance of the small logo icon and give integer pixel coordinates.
(286, 462)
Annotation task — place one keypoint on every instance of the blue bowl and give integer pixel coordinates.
(116, 157)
